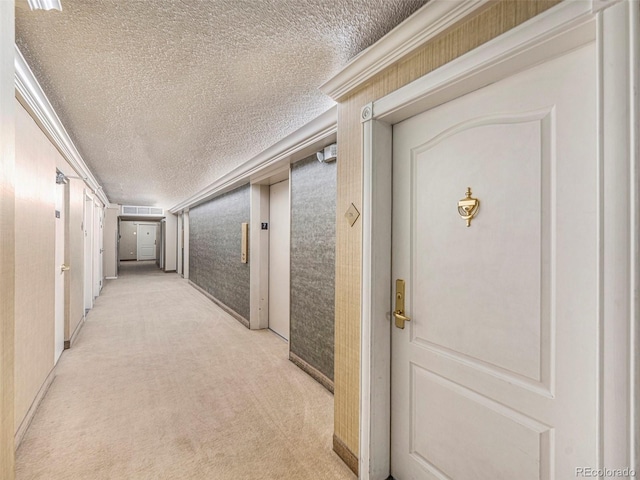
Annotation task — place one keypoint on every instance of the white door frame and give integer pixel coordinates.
(179, 246)
(613, 25)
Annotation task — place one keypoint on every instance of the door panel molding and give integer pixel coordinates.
(565, 27)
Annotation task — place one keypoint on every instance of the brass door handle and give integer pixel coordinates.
(400, 319)
(64, 268)
(399, 311)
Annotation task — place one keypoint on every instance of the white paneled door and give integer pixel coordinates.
(59, 270)
(89, 252)
(97, 249)
(495, 375)
(279, 235)
(146, 242)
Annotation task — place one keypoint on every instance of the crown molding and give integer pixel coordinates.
(31, 95)
(429, 21)
(304, 141)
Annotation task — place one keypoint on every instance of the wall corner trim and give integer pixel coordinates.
(30, 94)
(429, 21)
(316, 134)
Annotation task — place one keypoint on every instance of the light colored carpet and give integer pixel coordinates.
(162, 384)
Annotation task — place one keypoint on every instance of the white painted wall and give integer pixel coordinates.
(171, 243)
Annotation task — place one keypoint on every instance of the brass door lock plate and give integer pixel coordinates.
(398, 313)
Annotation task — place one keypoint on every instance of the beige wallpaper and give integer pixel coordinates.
(491, 22)
(7, 239)
(34, 255)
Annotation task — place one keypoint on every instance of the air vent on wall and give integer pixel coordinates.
(147, 211)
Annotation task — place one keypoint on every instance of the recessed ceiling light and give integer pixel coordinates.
(45, 5)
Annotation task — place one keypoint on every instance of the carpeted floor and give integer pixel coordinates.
(162, 384)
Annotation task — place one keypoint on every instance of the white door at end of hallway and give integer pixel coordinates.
(59, 271)
(495, 376)
(146, 242)
(279, 233)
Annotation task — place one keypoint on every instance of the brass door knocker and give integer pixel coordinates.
(468, 207)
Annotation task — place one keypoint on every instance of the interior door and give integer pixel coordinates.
(88, 253)
(161, 248)
(146, 242)
(494, 377)
(60, 269)
(279, 239)
(97, 249)
(100, 248)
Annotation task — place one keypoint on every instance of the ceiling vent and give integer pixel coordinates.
(146, 211)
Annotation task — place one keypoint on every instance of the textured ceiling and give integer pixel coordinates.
(162, 97)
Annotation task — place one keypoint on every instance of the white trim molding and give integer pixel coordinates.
(613, 26)
(313, 136)
(31, 95)
(426, 23)
(634, 181)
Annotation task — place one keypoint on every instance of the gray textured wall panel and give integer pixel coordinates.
(215, 239)
(313, 238)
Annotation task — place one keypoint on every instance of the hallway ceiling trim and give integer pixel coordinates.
(308, 139)
(426, 23)
(34, 99)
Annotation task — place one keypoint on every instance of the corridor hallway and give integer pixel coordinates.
(163, 384)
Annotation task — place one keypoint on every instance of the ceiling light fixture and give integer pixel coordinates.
(45, 5)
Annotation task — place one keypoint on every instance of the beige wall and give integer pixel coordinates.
(7, 239)
(36, 163)
(488, 24)
(36, 160)
(110, 257)
(128, 241)
(74, 257)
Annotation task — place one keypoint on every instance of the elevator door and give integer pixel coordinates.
(279, 230)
